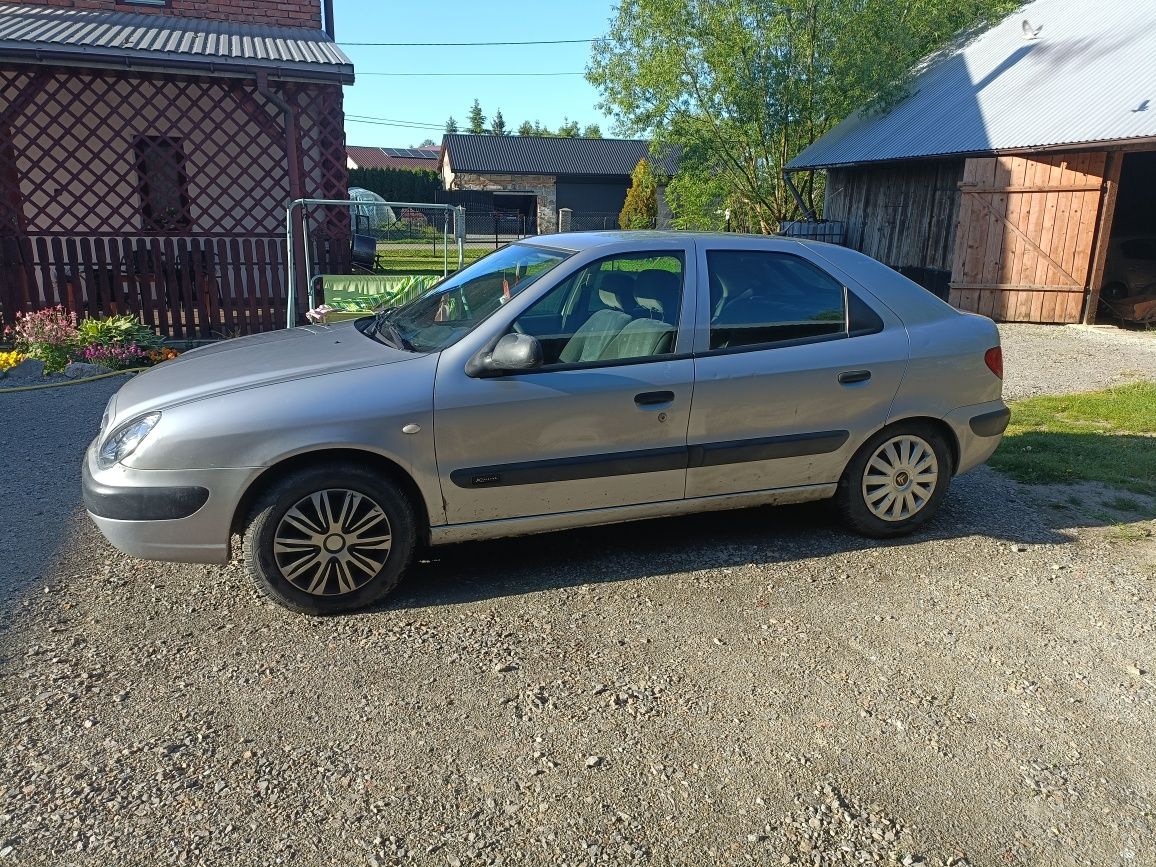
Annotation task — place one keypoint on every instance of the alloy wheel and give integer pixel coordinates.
(332, 542)
(900, 478)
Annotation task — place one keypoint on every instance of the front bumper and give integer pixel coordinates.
(183, 516)
(978, 430)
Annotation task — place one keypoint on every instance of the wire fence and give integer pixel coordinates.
(592, 221)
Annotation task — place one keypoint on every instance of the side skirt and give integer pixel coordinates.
(479, 530)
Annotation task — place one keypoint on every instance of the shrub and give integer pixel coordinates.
(156, 356)
(117, 331)
(49, 335)
(640, 211)
(116, 356)
(398, 185)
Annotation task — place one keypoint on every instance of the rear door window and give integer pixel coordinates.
(760, 298)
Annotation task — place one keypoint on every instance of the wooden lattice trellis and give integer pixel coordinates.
(75, 146)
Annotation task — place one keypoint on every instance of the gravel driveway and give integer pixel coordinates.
(757, 687)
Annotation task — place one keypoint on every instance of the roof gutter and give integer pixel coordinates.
(212, 66)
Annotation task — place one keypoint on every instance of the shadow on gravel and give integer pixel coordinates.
(982, 503)
(43, 435)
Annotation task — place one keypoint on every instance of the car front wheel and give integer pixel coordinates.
(329, 539)
(896, 481)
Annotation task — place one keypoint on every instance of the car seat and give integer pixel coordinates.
(657, 293)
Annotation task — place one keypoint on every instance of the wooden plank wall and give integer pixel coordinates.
(1024, 243)
(902, 214)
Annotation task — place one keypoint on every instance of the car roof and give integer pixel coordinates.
(579, 241)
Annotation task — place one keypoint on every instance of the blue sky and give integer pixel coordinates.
(430, 99)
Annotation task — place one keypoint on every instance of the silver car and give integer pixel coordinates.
(564, 381)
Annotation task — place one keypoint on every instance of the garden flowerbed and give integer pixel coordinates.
(52, 343)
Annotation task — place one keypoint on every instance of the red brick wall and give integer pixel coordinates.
(288, 13)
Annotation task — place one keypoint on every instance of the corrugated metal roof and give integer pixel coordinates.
(534, 155)
(155, 39)
(1088, 77)
(388, 158)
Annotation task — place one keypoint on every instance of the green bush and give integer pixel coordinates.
(117, 331)
(398, 185)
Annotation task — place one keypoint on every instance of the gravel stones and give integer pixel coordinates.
(1050, 359)
(946, 699)
(30, 370)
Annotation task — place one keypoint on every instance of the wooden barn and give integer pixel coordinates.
(1018, 178)
(148, 150)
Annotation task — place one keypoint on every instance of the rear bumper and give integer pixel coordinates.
(990, 424)
(978, 430)
(183, 516)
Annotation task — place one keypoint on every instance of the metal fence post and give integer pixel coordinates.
(460, 232)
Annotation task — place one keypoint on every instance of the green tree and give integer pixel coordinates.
(476, 119)
(498, 124)
(739, 87)
(526, 128)
(591, 130)
(569, 129)
(640, 211)
(451, 125)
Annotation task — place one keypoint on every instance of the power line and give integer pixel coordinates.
(470, 74)
(404, 124)
(466, 44)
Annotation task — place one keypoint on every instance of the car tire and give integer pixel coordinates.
(896, 481)
(329, 539)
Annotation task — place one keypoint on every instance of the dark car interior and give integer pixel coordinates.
(612, 310)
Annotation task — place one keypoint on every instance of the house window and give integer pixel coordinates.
(160, 3)
(164, 185)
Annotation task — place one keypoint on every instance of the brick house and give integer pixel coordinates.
(148, 150)
(538, 176)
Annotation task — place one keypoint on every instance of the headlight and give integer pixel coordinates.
(124, 440)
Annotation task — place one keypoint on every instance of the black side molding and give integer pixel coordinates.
(649, 460)
(140, 504)
(570, 469)
(767, 448)
(991, 424)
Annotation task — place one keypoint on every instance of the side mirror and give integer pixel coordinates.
(511, 354)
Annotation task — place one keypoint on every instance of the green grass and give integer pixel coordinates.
(1104, 436)
(412, 261)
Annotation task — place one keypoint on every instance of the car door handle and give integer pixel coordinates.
(653, 398)
(847, 377)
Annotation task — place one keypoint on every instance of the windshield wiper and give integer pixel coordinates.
(379, 319)
(396, 336)
(383, 328)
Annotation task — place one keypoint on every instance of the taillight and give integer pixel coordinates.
(993, 358)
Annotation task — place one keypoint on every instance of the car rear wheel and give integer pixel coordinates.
(329, 539)
(896, 481)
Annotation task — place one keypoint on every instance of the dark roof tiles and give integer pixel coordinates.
(534, 155)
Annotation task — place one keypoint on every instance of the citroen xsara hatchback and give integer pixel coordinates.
(564, 381)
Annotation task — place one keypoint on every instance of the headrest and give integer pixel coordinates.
(657, 291)
(617, 290)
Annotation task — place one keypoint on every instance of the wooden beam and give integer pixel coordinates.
(1103, 234)
(1084, 188)
(1017, 287)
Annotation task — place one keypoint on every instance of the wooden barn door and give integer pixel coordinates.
(1023, 246)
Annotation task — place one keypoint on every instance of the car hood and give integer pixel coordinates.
(249, 362)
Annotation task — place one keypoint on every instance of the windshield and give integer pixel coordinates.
(457, 305)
